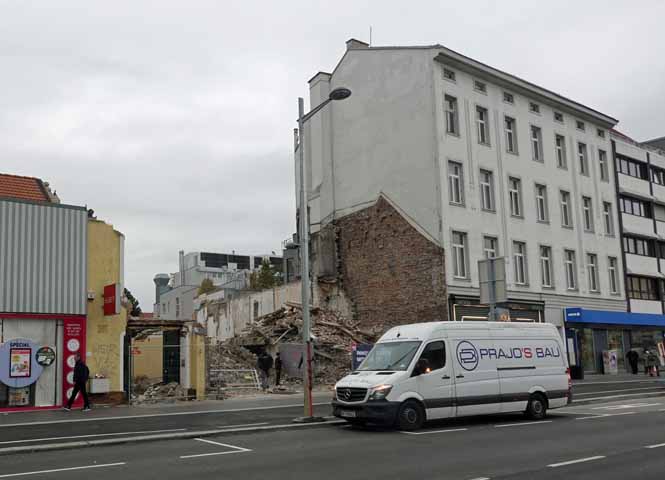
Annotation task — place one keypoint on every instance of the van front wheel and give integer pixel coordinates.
(410, 416)
(536, 409)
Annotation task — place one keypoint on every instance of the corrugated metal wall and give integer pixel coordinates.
(43, 258)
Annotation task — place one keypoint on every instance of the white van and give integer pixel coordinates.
(435, 370)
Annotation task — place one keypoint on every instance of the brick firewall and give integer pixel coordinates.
(392, 273)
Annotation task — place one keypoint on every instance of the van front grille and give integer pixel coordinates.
(348, 394)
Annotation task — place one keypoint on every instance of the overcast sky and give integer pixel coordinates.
(173, 120)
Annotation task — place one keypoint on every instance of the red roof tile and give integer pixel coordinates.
(23, 188)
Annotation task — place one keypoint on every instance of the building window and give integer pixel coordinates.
(560, 147)
(608, 220)
(449, 74)
(639, 246)
(658, 176)
(482, 121)
(583, 158)
(612, 270)
(569, 267)
(566, 220)
(587, 211)
(634, 206)
(558, 117)
(601, 133)
(542, 212)
(480, 86)
(602, 161)
(511, 135)
(632, 168)
(459, 255)
(519, 258)
(537, 143)
(452, 117)
(642, 288)
(592, 271)
(490, 247)
(486, 190)
(515, 192)
(508, 98)
(455, 183)
(177, 307)
(580, 125)
(256, 310)
(546, 266)
(534, 107)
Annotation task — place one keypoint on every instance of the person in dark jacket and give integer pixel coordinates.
(278, 369)
(81, 375)
(633, 357)
(264, 364)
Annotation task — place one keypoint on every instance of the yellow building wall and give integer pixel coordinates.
(197, 367)
(148, 358)
(104, 333)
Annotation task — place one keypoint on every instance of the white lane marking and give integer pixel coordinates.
(152, 415)
(235, 449)
(437, 431)
(627, 406)
(579, 460)
(589, 383)
(605, 415)
(615, 391)
(92, 436)
(480, 478)
(243, 425)
(503, 425)
(658, 445)
(69, 469)
(644, 394)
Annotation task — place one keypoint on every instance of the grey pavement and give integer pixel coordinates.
(605, 440)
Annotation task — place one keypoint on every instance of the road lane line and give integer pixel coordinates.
(480, 478)
(213, 454)
(30, 440)
(503, 425)
(626, 406)
(658, 445)
(243, 425)
(242, 449)
(579, 460)
(69, 469)
(615, 391)
(605, 415)
(437, 431)
(645, 394)
(153, 415)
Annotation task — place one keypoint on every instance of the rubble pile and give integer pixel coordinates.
(161, 392)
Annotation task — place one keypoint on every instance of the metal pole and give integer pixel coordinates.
(304, 265)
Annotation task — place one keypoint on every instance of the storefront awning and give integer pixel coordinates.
(582, 315)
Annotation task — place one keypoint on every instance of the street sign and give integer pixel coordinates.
(492, 275)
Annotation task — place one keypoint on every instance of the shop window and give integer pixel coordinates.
(586, 347)
(435, 354)
(615, 342)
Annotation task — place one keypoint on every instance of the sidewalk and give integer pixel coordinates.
(619, 378)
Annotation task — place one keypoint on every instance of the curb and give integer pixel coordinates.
(162, 436)
(627, 396)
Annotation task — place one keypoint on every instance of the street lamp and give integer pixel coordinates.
(337, 94)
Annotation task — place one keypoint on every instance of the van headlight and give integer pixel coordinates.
(379, 392)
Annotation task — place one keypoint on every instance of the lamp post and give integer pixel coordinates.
(303, 241)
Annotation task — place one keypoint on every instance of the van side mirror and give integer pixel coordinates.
(422, 366)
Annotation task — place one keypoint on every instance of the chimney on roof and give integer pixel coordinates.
(354, 44)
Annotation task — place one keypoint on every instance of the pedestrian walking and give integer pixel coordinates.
(264, 364)
(651, 363)
(633, 357)
(81, 376)
(278, 369)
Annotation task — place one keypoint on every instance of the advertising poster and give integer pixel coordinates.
(19, 362)
(74, 342)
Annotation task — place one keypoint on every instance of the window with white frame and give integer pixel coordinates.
(486, 190)
(560, 149)
(511, 134)
(587, 214)
(612, 271)
(542, 212)
(583, 158)
(569, 267)
(534, 107)
(601, 133)
(519, 259)
(508, 97)
(449, 74)
(546, 266)
(558, 117)
(580, 125)
(490, 247)
(536, 143)
(480, 86)
(608, 219)
(592, 271)
(482, 122)
(459, 255)
(515, 193)
(602, 162)
(455, 183)
(566, 219)
(452, 117)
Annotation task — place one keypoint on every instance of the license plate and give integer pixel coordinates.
(347, 414)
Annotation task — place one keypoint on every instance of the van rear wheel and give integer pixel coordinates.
(536, 409)
(411, 416)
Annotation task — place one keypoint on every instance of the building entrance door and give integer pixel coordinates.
(171, 356)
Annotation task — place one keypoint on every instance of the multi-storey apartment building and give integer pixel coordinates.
(437, 161)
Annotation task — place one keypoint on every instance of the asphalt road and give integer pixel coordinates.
(615, 440)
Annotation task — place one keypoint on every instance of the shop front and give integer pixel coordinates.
(598, 341)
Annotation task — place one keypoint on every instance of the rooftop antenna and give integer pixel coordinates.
(370, 35)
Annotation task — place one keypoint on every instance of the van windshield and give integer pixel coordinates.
(390, 356)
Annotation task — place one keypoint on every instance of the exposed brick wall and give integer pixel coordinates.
(391, 273)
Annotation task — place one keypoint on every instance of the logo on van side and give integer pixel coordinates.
(467, 356)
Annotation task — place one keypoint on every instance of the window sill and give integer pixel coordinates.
(572, 290)
(589, 231)
(521, 285)
(543, 222)
(488, 210)
(594, 292)
(520, 217)
(462, 279)
(551, 288)
(455, 204)
(452, 134)
(537, 161)
(568, 227)
(516, 153)
(488, 145)
(562, 167)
